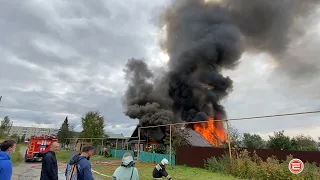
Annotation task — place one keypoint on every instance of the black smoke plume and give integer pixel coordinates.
(203, 39)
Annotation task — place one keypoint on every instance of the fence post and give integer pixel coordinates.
(102, 147)
(138, 144)
(170, 147)
(115, 152)
(228, 138)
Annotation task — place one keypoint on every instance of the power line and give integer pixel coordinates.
(275, 115)
(237, 119)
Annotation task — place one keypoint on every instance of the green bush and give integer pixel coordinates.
(246, 166)
(16, 157)
(161, 149)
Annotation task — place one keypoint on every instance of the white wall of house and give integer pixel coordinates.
(32, 131)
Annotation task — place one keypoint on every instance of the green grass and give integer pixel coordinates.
(177, 172)
(23, 144)
(64, 156)
(145, 169)
(16, 157)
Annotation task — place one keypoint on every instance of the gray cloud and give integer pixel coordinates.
(59, 58)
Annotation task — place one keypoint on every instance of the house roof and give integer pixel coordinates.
(115, 136)
(195, 139)
(134, 136)
(148, 134)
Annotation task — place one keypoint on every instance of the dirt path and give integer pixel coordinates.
(31, 171)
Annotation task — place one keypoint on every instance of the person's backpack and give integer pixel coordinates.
(72, 170)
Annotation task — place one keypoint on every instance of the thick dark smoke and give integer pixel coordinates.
(145, 100)
(277, 27)
(204, 38)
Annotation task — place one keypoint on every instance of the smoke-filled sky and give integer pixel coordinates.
(61, 58)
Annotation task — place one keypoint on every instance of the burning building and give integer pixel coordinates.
(203, 38)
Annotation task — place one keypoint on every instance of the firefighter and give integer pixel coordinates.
(160, 170)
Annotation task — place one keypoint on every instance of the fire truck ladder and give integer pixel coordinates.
(31, 146)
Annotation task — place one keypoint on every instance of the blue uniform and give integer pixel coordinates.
(5, 166)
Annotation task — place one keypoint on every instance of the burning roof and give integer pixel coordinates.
(203, 38)
(195, 139)
(192, 137)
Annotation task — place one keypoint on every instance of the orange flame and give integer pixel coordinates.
(213, 131)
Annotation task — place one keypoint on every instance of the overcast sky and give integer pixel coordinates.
(64, 58)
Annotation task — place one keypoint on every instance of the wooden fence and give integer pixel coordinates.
(156, 158)
(196, 156)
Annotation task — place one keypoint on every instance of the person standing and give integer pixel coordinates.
(49, 170)
(126, 171)
(7, 148)
(79, 166)
(160, 170)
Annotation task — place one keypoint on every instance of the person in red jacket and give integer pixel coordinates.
(160, 170)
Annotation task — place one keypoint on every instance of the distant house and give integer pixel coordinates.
(113, 141)
(148, 141)
(118, 141)
(27, 132)
(80, 145)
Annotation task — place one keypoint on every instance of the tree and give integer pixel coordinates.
(23, 138)
(304, 143)
(178, 138)
(5, 126)
(64, 131)
(235, 137)
(161, 149)
(280, 141)
(253, 141)
(2, 135)
(92, 124)
(14, 136)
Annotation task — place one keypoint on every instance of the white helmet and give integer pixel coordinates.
(164, 161)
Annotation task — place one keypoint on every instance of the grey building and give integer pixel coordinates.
(32, 131)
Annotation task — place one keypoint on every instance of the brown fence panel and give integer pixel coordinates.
(196, 156)
(305, 156)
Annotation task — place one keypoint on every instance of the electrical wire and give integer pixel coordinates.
(237, 119)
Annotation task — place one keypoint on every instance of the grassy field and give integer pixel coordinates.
(16, 157)
(64, 156)
(177, 172)
(145, 169)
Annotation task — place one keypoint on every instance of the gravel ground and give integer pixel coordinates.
(32, 170)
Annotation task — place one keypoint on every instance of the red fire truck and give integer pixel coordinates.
(38, 145)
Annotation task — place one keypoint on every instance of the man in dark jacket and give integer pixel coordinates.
(160, 170)
(79, 165)
(49, 170)
(7, 148)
